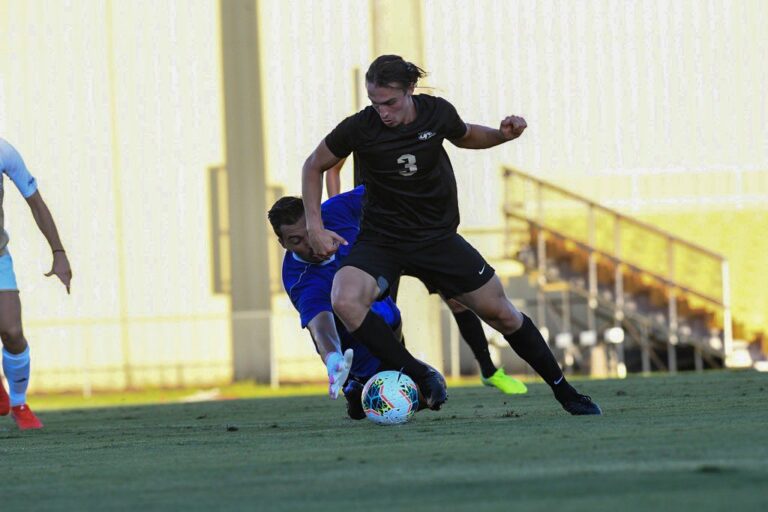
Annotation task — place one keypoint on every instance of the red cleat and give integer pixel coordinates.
(5, 402)
(25, 418)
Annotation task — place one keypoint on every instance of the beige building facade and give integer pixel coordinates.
(122, 109)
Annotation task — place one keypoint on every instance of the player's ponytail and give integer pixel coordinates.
(392, 69)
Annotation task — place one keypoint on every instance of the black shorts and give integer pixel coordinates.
(451, 266)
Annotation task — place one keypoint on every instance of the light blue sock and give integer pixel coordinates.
(16, 370)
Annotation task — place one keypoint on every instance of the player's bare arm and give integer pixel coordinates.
(333, 179)
(322, 328)
(482, 137)
(60, 266)
(324, 242)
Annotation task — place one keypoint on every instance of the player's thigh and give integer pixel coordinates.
(351, 284)
(491, 304)
(10, 314)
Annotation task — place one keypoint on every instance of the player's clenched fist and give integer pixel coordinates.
(512, 127)
(324, 242)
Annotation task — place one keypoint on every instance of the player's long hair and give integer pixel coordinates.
(286, 210)
(392, 69)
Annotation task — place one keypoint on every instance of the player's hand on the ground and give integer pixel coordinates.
(512, 127)
(338, 370)
(61, 268)
(325, 242)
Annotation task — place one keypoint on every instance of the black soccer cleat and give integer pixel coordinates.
(353, 392)
(574, 402)
(580, 405)
(434, 389)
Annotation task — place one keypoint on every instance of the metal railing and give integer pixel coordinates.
(616, 254)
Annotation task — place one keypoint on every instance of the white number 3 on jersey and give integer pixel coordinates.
(410, 165)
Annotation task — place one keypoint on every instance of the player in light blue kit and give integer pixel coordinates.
(15, 348)
(307, 280)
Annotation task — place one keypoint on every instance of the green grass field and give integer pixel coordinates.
(686, 442)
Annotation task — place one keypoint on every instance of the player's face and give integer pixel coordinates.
(294, 238)
(394, 105)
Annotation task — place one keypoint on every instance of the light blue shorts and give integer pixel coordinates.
(7, 275)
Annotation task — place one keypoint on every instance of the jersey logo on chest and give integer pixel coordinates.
(426, 135)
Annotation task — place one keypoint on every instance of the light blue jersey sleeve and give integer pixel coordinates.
(13, 165)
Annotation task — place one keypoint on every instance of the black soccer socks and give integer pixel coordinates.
(375, 334)
(472, 331)
(529, 344)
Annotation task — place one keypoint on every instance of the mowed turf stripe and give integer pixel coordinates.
(665, 441)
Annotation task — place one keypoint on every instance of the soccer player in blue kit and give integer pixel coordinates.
(308, 279)
(410, 218)
(16, 360)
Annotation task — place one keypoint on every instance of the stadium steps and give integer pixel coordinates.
(643, 280)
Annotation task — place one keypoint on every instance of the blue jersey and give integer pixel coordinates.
(309, 284)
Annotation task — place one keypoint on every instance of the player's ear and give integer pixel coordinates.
(282, 244)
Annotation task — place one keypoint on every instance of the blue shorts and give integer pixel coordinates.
(7, 275)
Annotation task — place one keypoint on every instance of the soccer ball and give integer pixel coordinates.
(390, 398)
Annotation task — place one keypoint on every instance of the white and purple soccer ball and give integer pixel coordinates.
(390, 398)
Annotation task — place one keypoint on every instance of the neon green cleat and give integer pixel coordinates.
(505, 383)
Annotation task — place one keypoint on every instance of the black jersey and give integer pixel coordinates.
(410, 186)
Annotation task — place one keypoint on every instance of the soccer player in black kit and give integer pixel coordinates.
(410, 217)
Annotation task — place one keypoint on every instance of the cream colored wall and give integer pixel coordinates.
(116, 107)
(627, 102)
(652, 107)
(309, 53)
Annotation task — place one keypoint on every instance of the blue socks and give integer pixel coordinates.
(16, 370)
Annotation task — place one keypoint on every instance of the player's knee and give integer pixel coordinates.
(512, 320)
(504, 318)
(12, 335)
(347, 306)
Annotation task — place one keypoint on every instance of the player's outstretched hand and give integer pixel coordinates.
(325, 242)
(512, 127)
(61, 268)
(338, 370)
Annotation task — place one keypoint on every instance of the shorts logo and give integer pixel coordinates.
(482, 269)
(426, 135)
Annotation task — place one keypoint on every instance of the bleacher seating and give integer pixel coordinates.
(666, 293)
